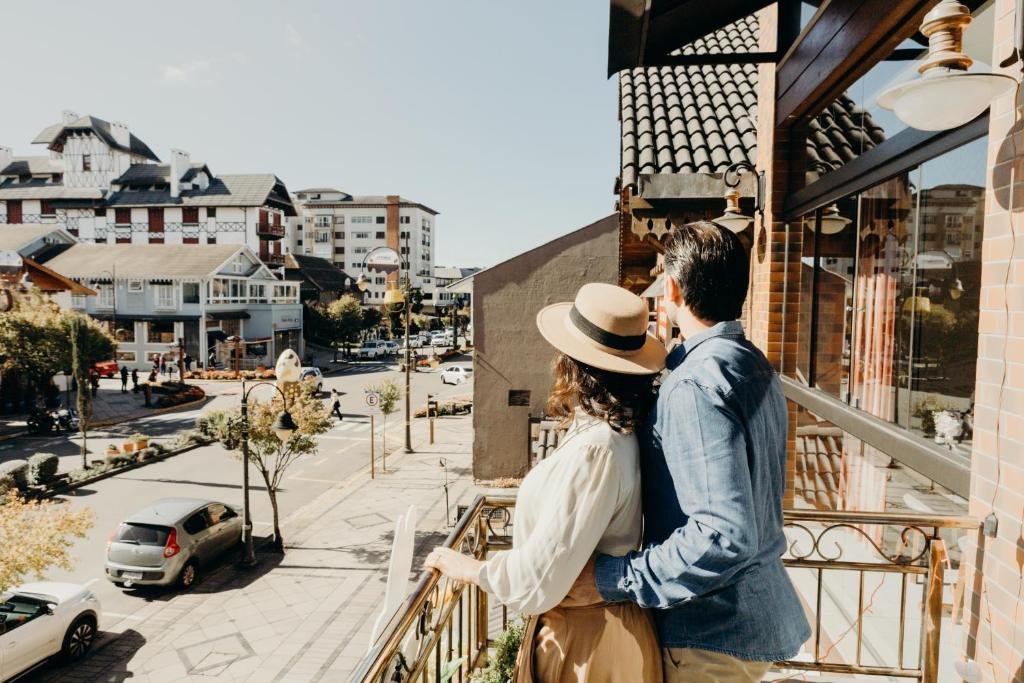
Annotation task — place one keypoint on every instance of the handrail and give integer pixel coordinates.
(430, 614)
(373, 664)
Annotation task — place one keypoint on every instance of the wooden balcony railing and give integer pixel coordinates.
(268, 230)
(884, 571)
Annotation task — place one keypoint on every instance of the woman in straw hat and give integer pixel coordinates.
(583, 499)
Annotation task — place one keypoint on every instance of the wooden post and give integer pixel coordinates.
(373, 438)
(932, 612)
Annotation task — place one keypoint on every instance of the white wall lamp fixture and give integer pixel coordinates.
(734, 219)
(946, 95)
(832, 221)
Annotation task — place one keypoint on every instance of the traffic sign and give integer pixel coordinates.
(372, 399)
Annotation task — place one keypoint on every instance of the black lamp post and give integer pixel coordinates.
(284, 427)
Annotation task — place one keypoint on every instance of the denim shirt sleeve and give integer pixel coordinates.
(704, 447)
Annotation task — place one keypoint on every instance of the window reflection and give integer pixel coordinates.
(890, 301)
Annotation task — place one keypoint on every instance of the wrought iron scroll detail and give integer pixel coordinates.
(817, 543)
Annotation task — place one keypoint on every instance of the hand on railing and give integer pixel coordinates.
(454, 565)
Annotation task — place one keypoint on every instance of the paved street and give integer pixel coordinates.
(305, 616)
(337, 557)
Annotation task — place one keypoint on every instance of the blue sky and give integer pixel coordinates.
(496, 114)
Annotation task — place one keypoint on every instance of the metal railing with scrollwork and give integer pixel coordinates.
(445, 628)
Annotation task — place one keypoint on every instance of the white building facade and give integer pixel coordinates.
(213, 298)
(104, 185)
(344, 229)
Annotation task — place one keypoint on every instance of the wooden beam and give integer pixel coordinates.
(842, 43)
(727, 58)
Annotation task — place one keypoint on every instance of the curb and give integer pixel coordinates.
(114, 472)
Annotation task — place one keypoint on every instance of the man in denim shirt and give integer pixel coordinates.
(714, 471)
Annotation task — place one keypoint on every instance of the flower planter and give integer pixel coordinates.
(141, 443)
(128, 447)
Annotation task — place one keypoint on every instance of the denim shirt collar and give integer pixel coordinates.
(727, 328)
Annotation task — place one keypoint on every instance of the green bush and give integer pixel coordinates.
(87, 472)
(18, 471)
(7, 484)
(42, 468)
(506, 648)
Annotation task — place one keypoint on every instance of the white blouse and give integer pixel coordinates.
(584, 497)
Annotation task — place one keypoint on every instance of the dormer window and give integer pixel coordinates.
(86, 162)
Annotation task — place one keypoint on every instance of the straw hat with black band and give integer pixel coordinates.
(606, 328)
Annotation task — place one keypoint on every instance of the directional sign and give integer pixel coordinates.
(372, 399)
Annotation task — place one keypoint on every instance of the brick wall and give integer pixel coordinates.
(994, 622)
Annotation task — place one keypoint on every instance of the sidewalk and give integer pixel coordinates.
(304, 616)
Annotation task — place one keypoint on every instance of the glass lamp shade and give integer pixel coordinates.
(832, 222)
(917, 304)
(733, 219)
(393, 296)
(363, 283)
(944, 98)
(284, 426)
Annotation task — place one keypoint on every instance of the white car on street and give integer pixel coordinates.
(455, 374)
(371, 350)
(441, 339)
(40, 620)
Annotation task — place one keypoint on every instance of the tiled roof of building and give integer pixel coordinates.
(101, 128)
(17, 237)
(155, 174)
(702, 119)
(227, 190)
(143, 260)
(375, 200)
(691, 119)
(44, 188)
(320, 272)
(841, 133)
(34, 165)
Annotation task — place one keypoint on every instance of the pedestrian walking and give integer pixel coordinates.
(152, 376)
(163, 366)
(188, 363)
(124, 379)
(336, 405)
(212, 360)
(135, 380)
(94, 381)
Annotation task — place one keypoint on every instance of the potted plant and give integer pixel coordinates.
(112, 453)
(141, 441)
(128, 446)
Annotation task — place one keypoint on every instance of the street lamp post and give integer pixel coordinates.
(284, 426)
(403, 296)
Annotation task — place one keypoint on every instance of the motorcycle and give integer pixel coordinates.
(43, 421)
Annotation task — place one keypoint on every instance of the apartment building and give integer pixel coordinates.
(436, 294)
(344, 229)
(103, 184)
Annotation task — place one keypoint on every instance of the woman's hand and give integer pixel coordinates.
(454, 564)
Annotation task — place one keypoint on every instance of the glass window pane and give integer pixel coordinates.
(837, 252)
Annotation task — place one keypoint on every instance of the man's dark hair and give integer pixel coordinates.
(711, 268)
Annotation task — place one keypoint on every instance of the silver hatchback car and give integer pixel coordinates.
(167, 542)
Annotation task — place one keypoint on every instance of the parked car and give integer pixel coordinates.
(391, 347)
(441, 339)
(107, 368)
(170, 541)
(42, 619)
(455, 374)
(371, 350)
(311, 376)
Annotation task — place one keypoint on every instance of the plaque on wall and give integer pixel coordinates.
(519, 397)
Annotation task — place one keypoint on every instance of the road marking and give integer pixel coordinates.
(118, 615)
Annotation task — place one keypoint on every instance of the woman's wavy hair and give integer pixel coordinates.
(621, 400)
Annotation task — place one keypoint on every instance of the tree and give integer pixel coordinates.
(371, 318)
(80, 371)
(347, 315)
(388, 395)
(35, 339)
(36, 535)
(271, 457)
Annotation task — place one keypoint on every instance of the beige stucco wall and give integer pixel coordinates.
(510, 353)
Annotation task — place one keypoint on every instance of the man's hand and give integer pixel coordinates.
(454, 564)
(584, 591)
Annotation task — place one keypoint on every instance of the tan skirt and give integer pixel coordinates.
(593, 644)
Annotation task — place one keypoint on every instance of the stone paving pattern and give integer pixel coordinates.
(303, 616)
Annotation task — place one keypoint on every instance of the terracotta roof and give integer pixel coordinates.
(702, 119)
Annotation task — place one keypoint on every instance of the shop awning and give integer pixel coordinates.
(646, 32)
(227, 315)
